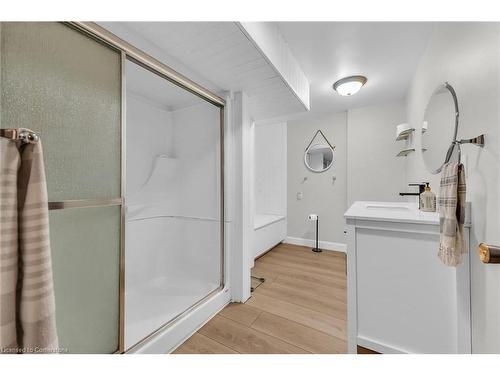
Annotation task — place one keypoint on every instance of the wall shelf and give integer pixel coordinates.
(405, 134)
(405, 152)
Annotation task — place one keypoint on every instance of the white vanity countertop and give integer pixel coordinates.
(402, 212)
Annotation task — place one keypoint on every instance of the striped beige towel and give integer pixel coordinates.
(27, 308)
(451, 203)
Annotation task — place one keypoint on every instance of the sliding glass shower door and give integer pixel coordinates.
(69, 87)
(173, 236)
(66, 86)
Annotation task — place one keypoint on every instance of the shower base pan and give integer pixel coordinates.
(156, 303)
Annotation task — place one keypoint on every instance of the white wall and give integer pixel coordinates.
(374, 173)
(172, 192)
(196, 147)
(190, 138)
(321, 195)
(143, 119)
(270, 169)
(196, 132)
(270, 184)
(467, 56)
(240, 194)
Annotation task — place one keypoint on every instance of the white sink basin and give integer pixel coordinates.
(387, 207)
(391, 211)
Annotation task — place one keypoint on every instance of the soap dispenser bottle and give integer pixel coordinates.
(428, 200)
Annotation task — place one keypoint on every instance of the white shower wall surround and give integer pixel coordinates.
(269, 164)
(173, 218)
(165, 273)
(150, 126)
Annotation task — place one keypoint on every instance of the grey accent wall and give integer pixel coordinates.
(365, 167)
(321, 195)
(374, 173)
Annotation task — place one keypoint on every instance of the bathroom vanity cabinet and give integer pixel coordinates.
(401, 297)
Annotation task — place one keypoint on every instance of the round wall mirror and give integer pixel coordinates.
(318, 157)
(439, 127)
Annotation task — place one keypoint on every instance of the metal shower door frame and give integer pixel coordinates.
(129, 52)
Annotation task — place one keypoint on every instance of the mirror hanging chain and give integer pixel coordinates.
(324, 137)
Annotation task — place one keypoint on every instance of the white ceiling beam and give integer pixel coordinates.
(267, 38)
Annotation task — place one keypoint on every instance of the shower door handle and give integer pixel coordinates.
(489, 253)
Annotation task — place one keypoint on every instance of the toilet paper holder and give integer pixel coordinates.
(315, 217)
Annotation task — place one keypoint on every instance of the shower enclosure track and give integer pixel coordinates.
(182, 217)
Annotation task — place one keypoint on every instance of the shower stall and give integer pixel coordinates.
(173, 201)
(134, 158)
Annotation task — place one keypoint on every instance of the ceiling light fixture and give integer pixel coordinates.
(349, 85)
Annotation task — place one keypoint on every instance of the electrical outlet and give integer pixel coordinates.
(299, 196)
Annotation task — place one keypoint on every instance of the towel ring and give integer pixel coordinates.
(478, 141)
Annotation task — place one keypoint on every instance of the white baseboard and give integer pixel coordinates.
(325, 245)
(379, 347)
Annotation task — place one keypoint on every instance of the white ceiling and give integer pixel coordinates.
(217, 55)
(386, 53)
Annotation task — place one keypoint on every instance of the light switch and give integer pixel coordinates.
(299, 196)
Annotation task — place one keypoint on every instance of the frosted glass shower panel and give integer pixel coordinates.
(173, 194)
(67, 87)
(86, 258)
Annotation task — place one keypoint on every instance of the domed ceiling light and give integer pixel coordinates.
(349, 85)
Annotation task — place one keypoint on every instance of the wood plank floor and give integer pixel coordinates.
(300, 308)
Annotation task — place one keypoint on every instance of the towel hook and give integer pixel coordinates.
(22, 135)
